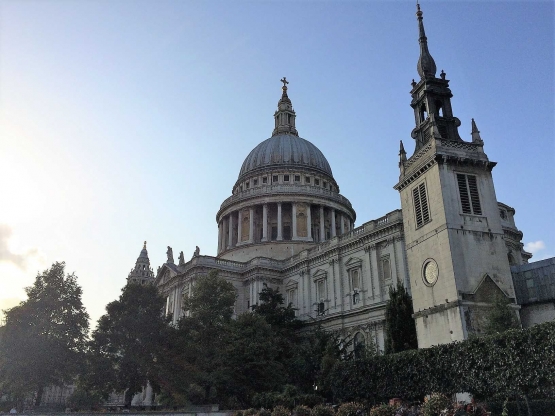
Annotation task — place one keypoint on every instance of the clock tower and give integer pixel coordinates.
(456, 253)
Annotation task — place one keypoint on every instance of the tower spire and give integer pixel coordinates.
(475, 133)
(285, 115)
(426, 66)
(142, 272)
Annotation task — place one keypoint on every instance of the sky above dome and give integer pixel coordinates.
(124, 121)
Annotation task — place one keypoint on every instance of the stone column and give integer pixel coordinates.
(279, 222)
(333, 233)
(230, 230)
(309, 223)
(239, 221)
(294, 219)
(322, 228)
(219, 237)
(342, 224)
(251, 225)
(265, 222)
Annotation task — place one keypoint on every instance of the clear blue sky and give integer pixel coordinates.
(123, 121)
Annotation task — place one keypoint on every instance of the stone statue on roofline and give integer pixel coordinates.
(197, 252)
(181, 258)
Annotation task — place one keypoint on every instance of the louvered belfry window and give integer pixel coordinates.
(468, 191)
(421, 208)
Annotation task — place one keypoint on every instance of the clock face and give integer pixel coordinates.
(430, 272)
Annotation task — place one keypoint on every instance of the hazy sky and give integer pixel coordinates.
(124, 121)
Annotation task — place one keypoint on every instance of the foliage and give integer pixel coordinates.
(350, 409)
(400, 326)
(538, 407)
(192, 360)
(84, 400)
(238, 413)
(248, 359)
(281, 411)
(250, 412)
(272, 309)
(434, 404)
(126, 343)
(322, 410)
(382, 410)
(301, 410)
(42, 341)
(264, 412)
(500, 317)
(515, 362)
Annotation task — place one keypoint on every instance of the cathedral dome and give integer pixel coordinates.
(285, 150)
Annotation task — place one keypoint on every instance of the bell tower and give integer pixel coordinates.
(456, 253)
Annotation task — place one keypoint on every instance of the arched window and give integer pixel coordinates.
(439, 108)
(423, 113)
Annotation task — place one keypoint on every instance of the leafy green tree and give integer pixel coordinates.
(500, 317)
(192, 359)
(126, 343)
(249, 363)
(400, 326)
(44, 336)
(272, 309)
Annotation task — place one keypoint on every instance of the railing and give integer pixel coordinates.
(285, 189)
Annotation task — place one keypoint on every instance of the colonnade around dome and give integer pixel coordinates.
(271, 223)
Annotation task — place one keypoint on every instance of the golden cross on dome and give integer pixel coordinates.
(285, 82)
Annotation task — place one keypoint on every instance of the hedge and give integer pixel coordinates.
(515, 362)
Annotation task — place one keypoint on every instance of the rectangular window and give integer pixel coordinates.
(320, 290)
(307, 179)
(325, 184)
(247, 185)
(355, 278)
(297, 178)
(316, 181)
(285, 178)
(468, 191)
(255, 182)
(264, 180)
(275, 178)
(421, 209)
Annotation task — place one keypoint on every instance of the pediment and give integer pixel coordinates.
(353, 262)
(320, 274)
(486, 290)
(291, 284)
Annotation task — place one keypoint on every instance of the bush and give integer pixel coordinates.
(382, 410)
(238, 413)
(301, 410)
(250, 412)
(515, 362)
(322, 410)
(309, 400)
(539, 407)
(280, 411)
(351, 409)
(435, 404)
(264, 412)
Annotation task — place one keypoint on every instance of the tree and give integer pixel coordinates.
(500, 317)
(192, 360)
(126, 343)
(250, 361)
(272, 310)
(44, 336)
(400, 326)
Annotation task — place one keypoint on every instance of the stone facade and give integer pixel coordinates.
(287, 226)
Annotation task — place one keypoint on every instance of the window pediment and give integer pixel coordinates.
(292, 284)
(353, 262)
(319, 275)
